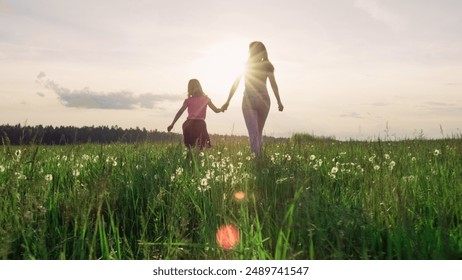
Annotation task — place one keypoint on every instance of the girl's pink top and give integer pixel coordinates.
(197, 107)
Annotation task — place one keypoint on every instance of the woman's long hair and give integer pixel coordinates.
(195, 88)
(258, 53)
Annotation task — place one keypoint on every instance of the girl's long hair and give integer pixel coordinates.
(195, 88)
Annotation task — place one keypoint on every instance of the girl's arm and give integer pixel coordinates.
(231, 93)
(177, 116)
(214, 108)
(275, 88)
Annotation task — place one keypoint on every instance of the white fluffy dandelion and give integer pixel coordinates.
(334, 170)
(48, 177)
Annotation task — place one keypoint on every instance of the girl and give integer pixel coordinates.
(194, 128)
(256, 102)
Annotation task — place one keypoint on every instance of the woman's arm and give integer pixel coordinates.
(231, 93)
(275, 88)
(177, 116)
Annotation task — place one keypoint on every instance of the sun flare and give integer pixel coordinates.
(219, 65)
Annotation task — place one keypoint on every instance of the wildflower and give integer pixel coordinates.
(392, 165)
(201, 154)
(334, 170)
(179, 171)
(281, 180)
(76, 173)
(172, 178)
(312, 157)
(112, 161)
(410, 178)
(204, 182)
(371, 159)
(48, 177)
(436, 152)
(2, 168)
(376, 167)
(227, 236)
(18, 154)
(387, 156)
(20, 176)
(413, 159)
(85, 157)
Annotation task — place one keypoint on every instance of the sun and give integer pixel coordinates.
(219, 65)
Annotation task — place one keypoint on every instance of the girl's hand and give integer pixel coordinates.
(170, 127)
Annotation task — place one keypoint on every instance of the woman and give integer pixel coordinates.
(194, 128)
(256, 102)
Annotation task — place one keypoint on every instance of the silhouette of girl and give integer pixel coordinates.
(194, 128)
(256, 101)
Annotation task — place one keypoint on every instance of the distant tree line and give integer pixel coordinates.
(62, 135)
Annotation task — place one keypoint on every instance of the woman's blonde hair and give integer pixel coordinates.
(195, 88)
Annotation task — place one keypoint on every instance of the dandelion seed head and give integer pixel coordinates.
(76, 173)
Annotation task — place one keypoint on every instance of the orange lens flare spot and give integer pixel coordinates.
(239, 195)
(227, 236)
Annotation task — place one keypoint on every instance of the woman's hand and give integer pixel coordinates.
(170, 127)
(280, 107)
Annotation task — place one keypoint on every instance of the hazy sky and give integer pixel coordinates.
(345, 68)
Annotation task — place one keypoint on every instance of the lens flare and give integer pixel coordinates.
(227, 236)
(239, 195)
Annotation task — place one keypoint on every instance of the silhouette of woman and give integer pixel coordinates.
(256, 101)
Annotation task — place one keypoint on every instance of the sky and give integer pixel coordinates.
(349, 69)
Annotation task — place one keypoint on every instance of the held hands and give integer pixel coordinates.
(224, 107)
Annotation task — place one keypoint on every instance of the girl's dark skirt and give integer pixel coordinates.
(195, 134)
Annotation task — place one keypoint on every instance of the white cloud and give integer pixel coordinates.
(119, 100)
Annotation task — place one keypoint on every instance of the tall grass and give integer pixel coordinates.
(303, 200)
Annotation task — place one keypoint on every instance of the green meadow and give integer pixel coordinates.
(317, 199)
